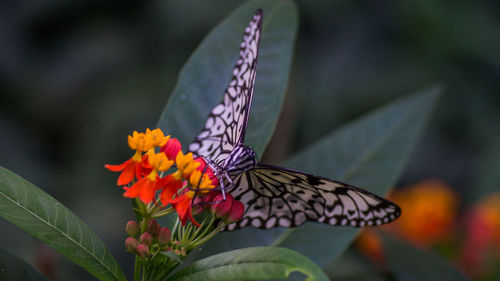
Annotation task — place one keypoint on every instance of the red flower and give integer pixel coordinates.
(171, 148)
(236, 212)
(202, 202)
(482, 226)
(136, 166)
(183, 206)
(170, 189)
(208, 171)
(229, 210)
(146, 188)
(222, 207)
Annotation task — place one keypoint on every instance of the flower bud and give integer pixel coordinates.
(198, 205)
(146, 238)
(131, 244)
(222, 208)
(164, 236)
(132, 228)
(236, 212)
(153, 227)
(142, 250)
(171, 148)
(210, 198)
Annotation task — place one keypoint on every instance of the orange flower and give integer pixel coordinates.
(200, 183)
(429, 211)
(157, 137)
(146, 187)
(369, 243)
(183, 206)
(185, 165)
(205, 169)
(170, 188)
(137, 165)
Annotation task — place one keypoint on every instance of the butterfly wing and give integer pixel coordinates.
(226, 123)
(275, 196)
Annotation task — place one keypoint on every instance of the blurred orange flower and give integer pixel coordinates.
(370, 244)
(429, 211)
(428, 217)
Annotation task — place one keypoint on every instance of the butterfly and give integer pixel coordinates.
(274, 196)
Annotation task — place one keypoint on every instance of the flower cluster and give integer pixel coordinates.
(430, 220)
(144, 174)
(161, 179)
(155, 238)
(430, 209)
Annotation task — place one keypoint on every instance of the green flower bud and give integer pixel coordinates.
(164, 236)
(132, 228)
(146, 238)
(153, 227)
(142, 250)
(131, 244)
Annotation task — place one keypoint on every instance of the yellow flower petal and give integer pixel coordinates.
(140, 141)
(157, 137)
(159, 161)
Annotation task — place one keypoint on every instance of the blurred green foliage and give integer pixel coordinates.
(77, 77)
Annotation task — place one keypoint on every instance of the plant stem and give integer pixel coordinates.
(137, 269)
(176, 225)
(208, 237)
(209, 226)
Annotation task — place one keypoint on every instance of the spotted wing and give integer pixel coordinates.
(226, 124)
(275, 196)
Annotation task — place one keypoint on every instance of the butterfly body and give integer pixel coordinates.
(240, 160)
(275, 196)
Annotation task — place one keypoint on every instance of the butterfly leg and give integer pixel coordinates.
(231, 184)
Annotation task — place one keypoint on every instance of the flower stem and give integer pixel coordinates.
(209, 226)
(162, 213)
(137, 269)
(176, 225)
(208, 237)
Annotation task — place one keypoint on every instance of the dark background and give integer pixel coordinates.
(77, 76)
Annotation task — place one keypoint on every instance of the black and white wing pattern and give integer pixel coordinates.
(275, 196)
(226, 124)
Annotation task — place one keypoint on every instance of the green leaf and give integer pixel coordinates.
(36, 212)
(352, 266)
(207, 73)
(408, 263)
(259, 263)
(13, 268)
(172, 255)
(370, 152)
